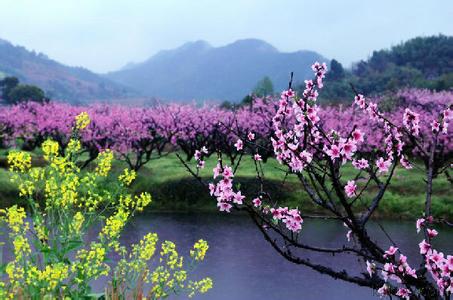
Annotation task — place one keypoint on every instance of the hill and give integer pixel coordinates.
(196, 70)
(422, 62)
(72, 84)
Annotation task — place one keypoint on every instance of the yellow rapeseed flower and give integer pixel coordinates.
(127, 177)
(105, 163)
(199, 250)
(82, 120)
(19, 161)
(50, 149)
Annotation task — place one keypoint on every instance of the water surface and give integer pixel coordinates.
(245, 267)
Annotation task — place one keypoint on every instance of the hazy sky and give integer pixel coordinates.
(104, 35)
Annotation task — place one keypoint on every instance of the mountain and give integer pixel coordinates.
(72, 84)
(196, 70)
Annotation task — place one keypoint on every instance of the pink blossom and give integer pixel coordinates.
(306, 156)
(251, 136)
(360, 101)
(257, 157)
(424, 247)
(420, 222)
(403, 293)
(201, 164)
(391, 251)
(256, 202)
(449, 262)
(217, 170)
(360, 164)
(224, 206)
(239, 145)
(211, 188)
(383, 165)
(227, 172)
(405, 163)
(349, 235)
(371, 268)
(348, 149)
(411, 121)
(435, 126)
(350, 188)
(357, 135)
(238, 197)
(384, 290)
(432, 232)
(333, 152)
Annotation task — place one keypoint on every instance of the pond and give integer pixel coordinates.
(245, 267)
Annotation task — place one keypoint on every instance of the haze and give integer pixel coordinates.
(105, 35)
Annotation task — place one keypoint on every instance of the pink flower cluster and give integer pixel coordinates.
(223, 190)
(290, 217)
(200, 155)
(439, 265)
(350, 188)
(396, 270)
(411, 121)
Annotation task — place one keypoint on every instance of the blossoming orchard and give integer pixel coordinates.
(73, 191)
(308, 144)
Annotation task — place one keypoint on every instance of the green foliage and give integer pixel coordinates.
(25, 92)
(6, 85)
(423, 62)
(336, 70)
(173, 188)
(227, 105)
(13, 92)
(264, 87)
(247, 100)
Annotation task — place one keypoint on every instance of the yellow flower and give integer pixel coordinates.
(82, 121)
(50, 149)
(201, 286)
(113, 227)
(15, 218)
(127, 177)
(74, 146)
(142, 201)
(19, 161)
(105, 163)
(77, 222)
(199, 250)
(173, 260)
(90, 263)
(147, 246)
(26, 188)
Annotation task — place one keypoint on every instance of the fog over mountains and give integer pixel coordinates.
(196, 70)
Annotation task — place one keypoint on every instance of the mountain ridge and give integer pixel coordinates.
(59, 81)
(197, 70)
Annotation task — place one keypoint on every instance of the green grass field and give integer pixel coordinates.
(174, 189)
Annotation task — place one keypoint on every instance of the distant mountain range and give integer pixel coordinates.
(72, 84)
(196, 70)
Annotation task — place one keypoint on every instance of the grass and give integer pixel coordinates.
(174, 189)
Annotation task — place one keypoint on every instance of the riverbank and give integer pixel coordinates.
(174, 189)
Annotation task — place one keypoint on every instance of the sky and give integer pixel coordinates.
(104, 35)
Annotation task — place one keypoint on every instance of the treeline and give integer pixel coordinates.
(422, 62)
(13, 92)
